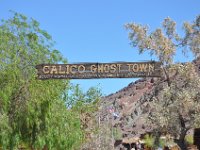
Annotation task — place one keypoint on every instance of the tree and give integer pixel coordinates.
(175, 107)
(33, 113)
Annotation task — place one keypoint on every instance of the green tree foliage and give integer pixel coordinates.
(86, 106)
(33, 113)
(175, 107)
(149, 140)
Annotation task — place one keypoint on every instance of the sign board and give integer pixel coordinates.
(99, 70)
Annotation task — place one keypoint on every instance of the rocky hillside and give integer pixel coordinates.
(128, 108)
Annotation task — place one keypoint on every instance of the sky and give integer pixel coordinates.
(93, 30)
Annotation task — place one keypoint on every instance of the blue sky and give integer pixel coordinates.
(93, 31)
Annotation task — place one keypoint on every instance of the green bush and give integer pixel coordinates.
(189, 139)
(117, 133)
(162, 142)
(149, 140)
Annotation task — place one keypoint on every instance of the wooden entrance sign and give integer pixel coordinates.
(99, 70)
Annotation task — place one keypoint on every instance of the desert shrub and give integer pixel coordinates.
(149, 140)
(189, 139)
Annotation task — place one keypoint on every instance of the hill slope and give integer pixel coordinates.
(128, 108)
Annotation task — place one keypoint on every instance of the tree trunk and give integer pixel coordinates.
(181, 141)
(181, 144)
